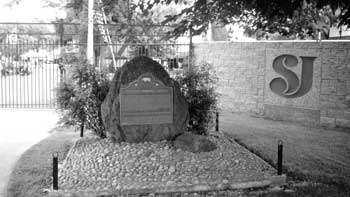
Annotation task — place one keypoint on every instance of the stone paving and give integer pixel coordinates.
(100, 165)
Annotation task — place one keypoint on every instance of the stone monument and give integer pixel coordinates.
(144, 104)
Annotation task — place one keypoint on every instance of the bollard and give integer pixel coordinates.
(217, 122)
(82, 129)
(279, 157)
(55, 171)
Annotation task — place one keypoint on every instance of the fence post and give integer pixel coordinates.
(61, 31)
(59, 60)
(190, 61)
(279, 157)
(55, 171)
(217, 121)
(90, 36)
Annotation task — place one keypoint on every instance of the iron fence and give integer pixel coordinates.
(31, 66)
(29, 71)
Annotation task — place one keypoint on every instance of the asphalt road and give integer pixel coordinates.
(19, 130)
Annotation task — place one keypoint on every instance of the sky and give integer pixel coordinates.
(28, 11)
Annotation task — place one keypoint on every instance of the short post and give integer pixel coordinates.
(82, 129)
(217, 121)
(279, 157)
(55, 171)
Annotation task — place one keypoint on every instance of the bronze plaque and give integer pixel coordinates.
(146, 101)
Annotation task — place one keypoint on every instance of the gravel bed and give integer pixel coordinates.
(100, 165)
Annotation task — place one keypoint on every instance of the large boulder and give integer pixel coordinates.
(194, 143)
(110, 109)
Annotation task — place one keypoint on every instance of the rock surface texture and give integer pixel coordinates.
(110, 108)
(100, 165)
(194, 143)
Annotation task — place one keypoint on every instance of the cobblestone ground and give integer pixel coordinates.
(98, 164)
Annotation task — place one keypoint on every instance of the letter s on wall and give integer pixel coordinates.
(289, 85)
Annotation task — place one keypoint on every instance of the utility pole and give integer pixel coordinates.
(90, 38)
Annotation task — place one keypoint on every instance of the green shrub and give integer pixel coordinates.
(80, 96)
(198, 87)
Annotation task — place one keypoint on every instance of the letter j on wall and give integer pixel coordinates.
(290, 85)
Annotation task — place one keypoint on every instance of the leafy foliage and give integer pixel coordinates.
(268, 15)
(130, 21)
(131, 26)
(305, 23)
(80, 96)
(198, 87)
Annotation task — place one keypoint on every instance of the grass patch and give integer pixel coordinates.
(317, 190)
(33, 171)
(309, 154)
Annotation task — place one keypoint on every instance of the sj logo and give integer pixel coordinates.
(289, 85)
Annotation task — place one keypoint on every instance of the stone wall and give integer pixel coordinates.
(245, 70)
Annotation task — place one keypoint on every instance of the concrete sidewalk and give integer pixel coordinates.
(19, 130)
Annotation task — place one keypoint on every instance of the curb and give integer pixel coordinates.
(273, 181)
(68, 154)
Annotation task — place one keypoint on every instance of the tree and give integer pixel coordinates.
(271, 15)
(130, 24)
(305, 23)
(133, 23)
(130, 20)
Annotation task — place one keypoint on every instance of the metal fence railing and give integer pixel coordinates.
(29, 73)
(31, 58)
(172, 56)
